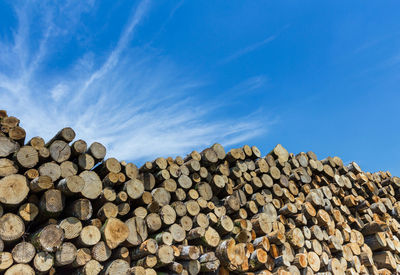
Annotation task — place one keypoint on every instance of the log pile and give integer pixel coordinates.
(65, 208)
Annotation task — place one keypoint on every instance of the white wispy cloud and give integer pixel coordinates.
(250, 84)
(249, 48)
(59, 91)
(114, 56)
(252, 47)
(169, 18)
(137, 102)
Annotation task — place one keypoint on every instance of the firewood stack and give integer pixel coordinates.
(66, 209)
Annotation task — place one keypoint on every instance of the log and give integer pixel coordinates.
(385, 259)
(71, 185)
(211, 237)
(83, 255)
(130, 170)
(81, 209)
(134, 188)
(110, 165)
(52, 203)
(85, 161)
(108, 210)
(89, 236)
(192, 267)
(50, 169)
(7, 167)
(148, 247)
(13, 189)
(68, 169)
(72, 227)
(169, 185)
(295, 237)
(220, 151)
(91, 267)
(101, 252)
(147, 261)
(78, 147)
(261, 223)
(8, 147)
(137, 231)
(114, 232)
(65, 254)
(36, 142)
(210, 266)
(335, 267)
(40, 184)
(175, 267)
(11, 227)
(92, 184)
(192, 207)
(164, 238)
(66, 134)
(208, 157)
(376, 241)
(17, 134)
(165, 255)
(118, 266)
(161, 196)
(258, 258)
(201, 220)
(188, 252)
(113, 179)
(232, 204)
(44, 154)
(153, 222)
(184, 182)
(224, 225)
(280, 153)
(97, 151)
(60, 151)
(196, 233)
(121, 253)
(177, 232)
(28, 211)
(137, 270)
(31, 174)
(43, 262)
(20, 269)
(301, 260)
(168, 215)
(123, 209)
(313, 261)
(96, 222)
(48, 238)
(6, 260)
(23, 252)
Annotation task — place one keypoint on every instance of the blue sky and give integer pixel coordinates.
(159, 78)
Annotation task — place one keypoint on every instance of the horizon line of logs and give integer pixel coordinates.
(65, 208)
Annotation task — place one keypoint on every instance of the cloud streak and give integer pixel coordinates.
(250, 84)
(252, 47)
(137, 102)
(249, 49)
(113, 58)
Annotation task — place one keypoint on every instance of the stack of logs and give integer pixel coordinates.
(66, 209)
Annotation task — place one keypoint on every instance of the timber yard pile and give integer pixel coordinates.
(65, 209)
